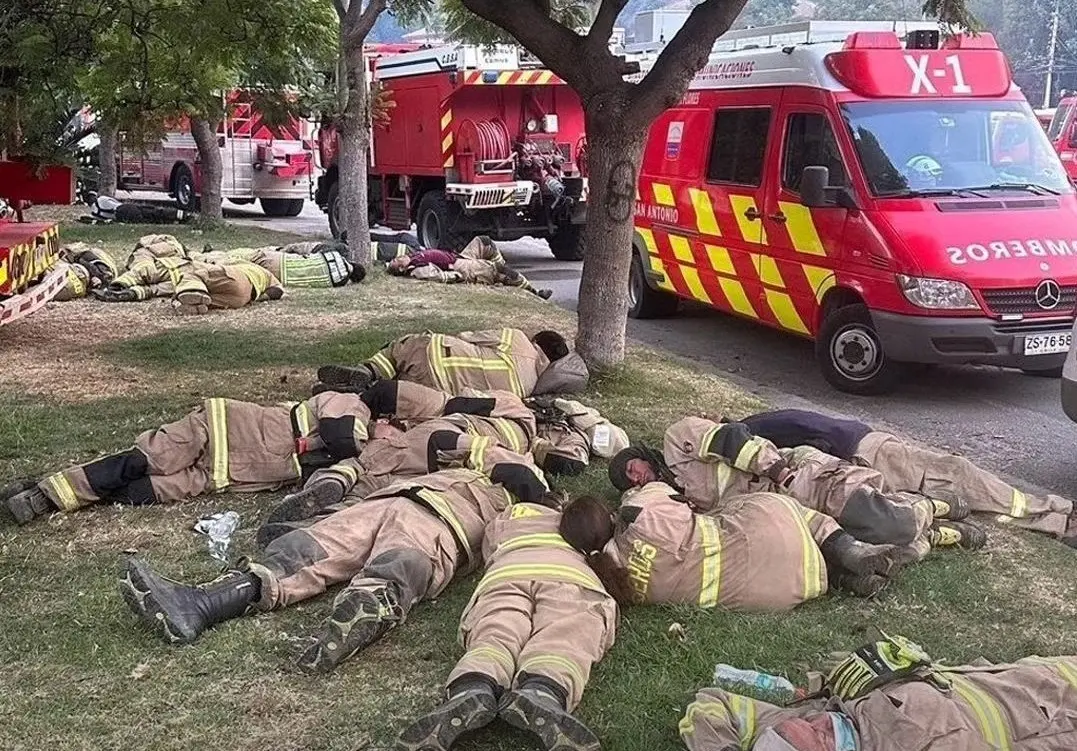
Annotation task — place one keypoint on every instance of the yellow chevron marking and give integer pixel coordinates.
(750, 230)
(820, 280)
(801, 228)
(738, 300)
(682, 249)
(446, 143)
(504, 78)
(705, 220)
(720, 260)
(446, 119)
(545, 77)
(663, 195)
(785, 311)
(695, 286)
(767, 268)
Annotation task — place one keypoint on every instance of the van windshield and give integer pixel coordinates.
(952, 148)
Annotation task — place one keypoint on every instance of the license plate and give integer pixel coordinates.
(1048, 344)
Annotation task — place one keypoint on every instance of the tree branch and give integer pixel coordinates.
(530, 23)
(602, 28)
(683, 57)
(358, 24)
(338, 5)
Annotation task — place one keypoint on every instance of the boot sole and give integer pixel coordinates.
(339, 375)
(301, 509)
(558, 731)
(439, 730)
(137, 589)
(342, 636)
(194, 299)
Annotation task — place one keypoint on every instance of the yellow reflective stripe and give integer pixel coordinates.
(498, 654)
(801, 228)
(705, 707)
(506, 345)
(814, 584)
(706, 223)
(747, 455)
(724, 476)
(767, 269)
(737, 297)
(444, 510)
(218, 430)
(556, 661)
(507, 430)
(663, 195)
(1067, 671)
(1019, 504)
(711, 585)
(720, 260)
(437, 369)
(750, 229)
(304, 417)
(704, 444)
(350, 473)
(478, 449)
(383, 365)
(745, 709)
(536, 540)
(682, 249)
(781, 304)
(65, 493)
(985, 709)
(820, 280)
(526, 572)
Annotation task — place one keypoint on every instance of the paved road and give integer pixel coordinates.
(1007, 421)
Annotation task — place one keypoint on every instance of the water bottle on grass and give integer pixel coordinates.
(733, 678)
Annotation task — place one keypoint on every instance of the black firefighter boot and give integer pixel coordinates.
(471, 704)
(858, 567)
(538, 706)
(27, 504)
(361, 615)
(358, 378)
(179, 612)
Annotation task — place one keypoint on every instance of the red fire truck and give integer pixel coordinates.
(29, 250)
(896, 202)
(271, 164)
(480, 142)
(1063, 133)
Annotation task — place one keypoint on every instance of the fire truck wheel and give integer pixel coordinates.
(281, 206)
(436, 220)
(644, 302)
(567, 242)
(851, 355)
(183, 189)
(332, 209)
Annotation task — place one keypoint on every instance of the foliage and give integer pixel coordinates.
(461, 23)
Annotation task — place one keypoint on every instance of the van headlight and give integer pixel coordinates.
(937, 294)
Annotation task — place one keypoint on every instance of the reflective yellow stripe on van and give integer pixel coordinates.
(785, 311)
(801, 227)
(655, 262)
(663, 195)
(767, 268)
(683, 251)
(820, 279)
(706, 222)
(720, 260)
(751, 230)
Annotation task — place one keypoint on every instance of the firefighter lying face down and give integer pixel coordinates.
(495, 360)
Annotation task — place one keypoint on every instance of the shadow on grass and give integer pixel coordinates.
(229, 349)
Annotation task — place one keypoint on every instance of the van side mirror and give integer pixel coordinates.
(813, 187)
(816, 193)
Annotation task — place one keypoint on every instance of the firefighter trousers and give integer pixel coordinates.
(909, 467)
(548, 629)
(392, 540)
(215, 286)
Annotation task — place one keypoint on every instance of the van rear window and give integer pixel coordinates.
(739, 145)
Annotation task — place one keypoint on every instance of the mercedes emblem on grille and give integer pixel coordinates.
(1048, 294)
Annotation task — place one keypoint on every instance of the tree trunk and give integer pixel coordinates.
(352, 159)
(614, 154)
(204, 131)
(106, 157)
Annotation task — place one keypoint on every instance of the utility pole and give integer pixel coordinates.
(1051, 55)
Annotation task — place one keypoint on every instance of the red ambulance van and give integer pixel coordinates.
(895, 201)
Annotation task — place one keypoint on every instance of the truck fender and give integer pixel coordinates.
(639, 248)
(838, 296)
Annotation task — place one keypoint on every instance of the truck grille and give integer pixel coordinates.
(1022, 300)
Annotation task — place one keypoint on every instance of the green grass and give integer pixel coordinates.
(194, 238)
(81, 673)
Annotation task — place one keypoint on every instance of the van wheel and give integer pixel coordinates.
(183, 189)
(567, 243)
(644, 302)
(851, 355)
(436, 222)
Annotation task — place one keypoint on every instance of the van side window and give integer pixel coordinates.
(739, 146)
(810, 142)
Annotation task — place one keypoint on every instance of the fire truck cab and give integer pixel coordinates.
(895, 200)
(480, 142)
(1063, 133)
